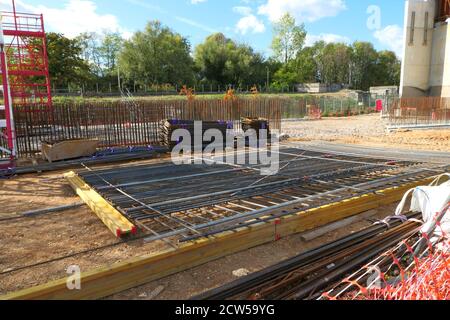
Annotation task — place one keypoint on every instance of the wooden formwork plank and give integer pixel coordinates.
(112, 218)
(124, 275)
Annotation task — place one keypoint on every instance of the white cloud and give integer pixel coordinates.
(196, 24)
(251, 24)
(147, 5)
(245, 11)
(197, 1)
(302, 10)
(187, 21)
(75, 17)
(327, 37)
(391, 37)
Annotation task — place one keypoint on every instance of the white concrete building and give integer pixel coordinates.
(426, 60)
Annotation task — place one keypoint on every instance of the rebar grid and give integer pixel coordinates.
(192, 201)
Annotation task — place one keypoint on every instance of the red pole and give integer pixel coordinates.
(6, 96)
(15, 15)
(45, 59)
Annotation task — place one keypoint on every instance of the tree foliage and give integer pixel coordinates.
(100, 51)
(288, 38)
(157, 55)
(66, 65)
(109, 51)
(363, 65)
(358, 65)
(221, 61)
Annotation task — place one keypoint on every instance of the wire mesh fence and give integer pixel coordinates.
(331, 106)
(113, 90)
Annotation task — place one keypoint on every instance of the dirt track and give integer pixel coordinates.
(368, 130)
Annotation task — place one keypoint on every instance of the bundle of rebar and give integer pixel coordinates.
(307, 275)
(110, 155)
(416, 269)
(168, 127)
(256, 124)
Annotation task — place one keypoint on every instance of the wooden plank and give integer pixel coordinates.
(128, 274)
(112, 218)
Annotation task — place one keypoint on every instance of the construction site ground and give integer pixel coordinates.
(27, 241)
(366, 130)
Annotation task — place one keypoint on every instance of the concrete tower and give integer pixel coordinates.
(426, 59)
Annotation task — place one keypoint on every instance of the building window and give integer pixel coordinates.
(413, 27)
(425, 30)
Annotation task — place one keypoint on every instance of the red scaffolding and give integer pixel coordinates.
(26, 51)
(24, 72)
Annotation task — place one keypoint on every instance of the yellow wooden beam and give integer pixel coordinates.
(112, 218)
(124, 275)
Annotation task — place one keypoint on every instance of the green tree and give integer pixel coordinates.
(157, 55)
(306, 66)
(89, 42)
(335, 60)
(221, 61)
(109, 50)
(288, 38)
(388, 69)
(363, 65)
(212, 58)
(286, 76)
(65, 63)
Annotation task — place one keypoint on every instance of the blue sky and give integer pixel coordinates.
(248, 21)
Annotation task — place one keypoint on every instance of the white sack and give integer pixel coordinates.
(430, 200)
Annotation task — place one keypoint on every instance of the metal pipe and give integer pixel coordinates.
(38, 212)
(307, 258)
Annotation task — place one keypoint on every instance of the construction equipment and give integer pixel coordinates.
(26, 49)
(7, 134)
(24, 75)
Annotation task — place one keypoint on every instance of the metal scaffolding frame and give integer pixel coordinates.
(24, 74)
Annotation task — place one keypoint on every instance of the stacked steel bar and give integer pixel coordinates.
(101, 157)
(308, 274)
(257, 125)
(168, 127)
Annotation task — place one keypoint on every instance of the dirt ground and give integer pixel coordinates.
(187, 284)
(27, 241)
(368, 130)
(31, 240)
